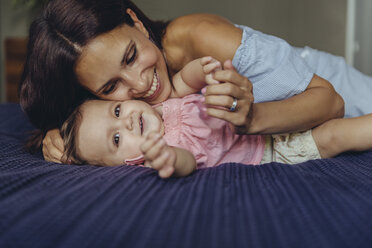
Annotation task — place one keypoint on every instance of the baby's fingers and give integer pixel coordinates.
(164, 164)
(151, 140)
(154, 150)
(206, 60)
(211, 67)
(166, 172)
(159, 162)
(209, 79)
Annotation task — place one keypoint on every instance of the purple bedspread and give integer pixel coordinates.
(321, 203)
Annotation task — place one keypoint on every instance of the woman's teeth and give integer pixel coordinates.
(154, 86)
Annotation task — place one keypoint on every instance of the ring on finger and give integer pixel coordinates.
(233, 105)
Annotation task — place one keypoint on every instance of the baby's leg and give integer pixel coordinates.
(340, 135)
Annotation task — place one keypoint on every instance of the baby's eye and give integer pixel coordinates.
(117, 110)
(116, 139)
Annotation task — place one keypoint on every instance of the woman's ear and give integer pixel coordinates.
(137, 23)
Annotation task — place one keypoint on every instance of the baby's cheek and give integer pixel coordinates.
(131, 152)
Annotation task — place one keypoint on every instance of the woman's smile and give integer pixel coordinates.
(154, 90)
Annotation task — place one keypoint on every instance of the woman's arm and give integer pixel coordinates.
(317, 104)
(204, 34)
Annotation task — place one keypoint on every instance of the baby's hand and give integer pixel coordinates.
(210, 65)
(159, 155)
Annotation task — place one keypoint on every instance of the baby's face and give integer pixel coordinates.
(111, 132)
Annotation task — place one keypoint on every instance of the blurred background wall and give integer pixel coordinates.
(363, 36)
(318, 23)
(14, 22)
(321, 24)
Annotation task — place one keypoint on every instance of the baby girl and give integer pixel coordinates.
(177, 136)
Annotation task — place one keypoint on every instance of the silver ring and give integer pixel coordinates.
(233, 105)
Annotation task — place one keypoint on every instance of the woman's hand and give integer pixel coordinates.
(53, 146)
(224, 86)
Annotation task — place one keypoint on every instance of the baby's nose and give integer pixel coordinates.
(127, 122)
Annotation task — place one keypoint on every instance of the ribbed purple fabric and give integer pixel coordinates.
(321, 203)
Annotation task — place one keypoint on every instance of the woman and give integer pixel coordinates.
(111, 50)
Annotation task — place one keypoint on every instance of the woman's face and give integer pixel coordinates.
(124, 64)
(111, 132)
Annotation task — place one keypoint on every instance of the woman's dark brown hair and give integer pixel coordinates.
(49, 89)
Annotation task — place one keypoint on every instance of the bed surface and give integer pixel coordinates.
(321, 203)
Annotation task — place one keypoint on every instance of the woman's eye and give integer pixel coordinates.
(117, 110)
(116, 139)
(132, 56)
(110, 88)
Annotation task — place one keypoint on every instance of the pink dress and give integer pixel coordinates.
(210, 139)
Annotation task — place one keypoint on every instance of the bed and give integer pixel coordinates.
(320, 203)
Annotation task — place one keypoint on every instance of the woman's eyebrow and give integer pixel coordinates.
(125, 55)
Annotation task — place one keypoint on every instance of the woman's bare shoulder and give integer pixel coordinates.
(196, 23)
(193, 19)
(199, 35)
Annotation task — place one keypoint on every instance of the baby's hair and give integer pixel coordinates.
(69, 131)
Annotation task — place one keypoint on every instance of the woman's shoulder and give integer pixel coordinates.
(197, 35)
(195, 26)
(195, 19)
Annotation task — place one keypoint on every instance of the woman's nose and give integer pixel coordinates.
(136, 82)
(138, 86)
